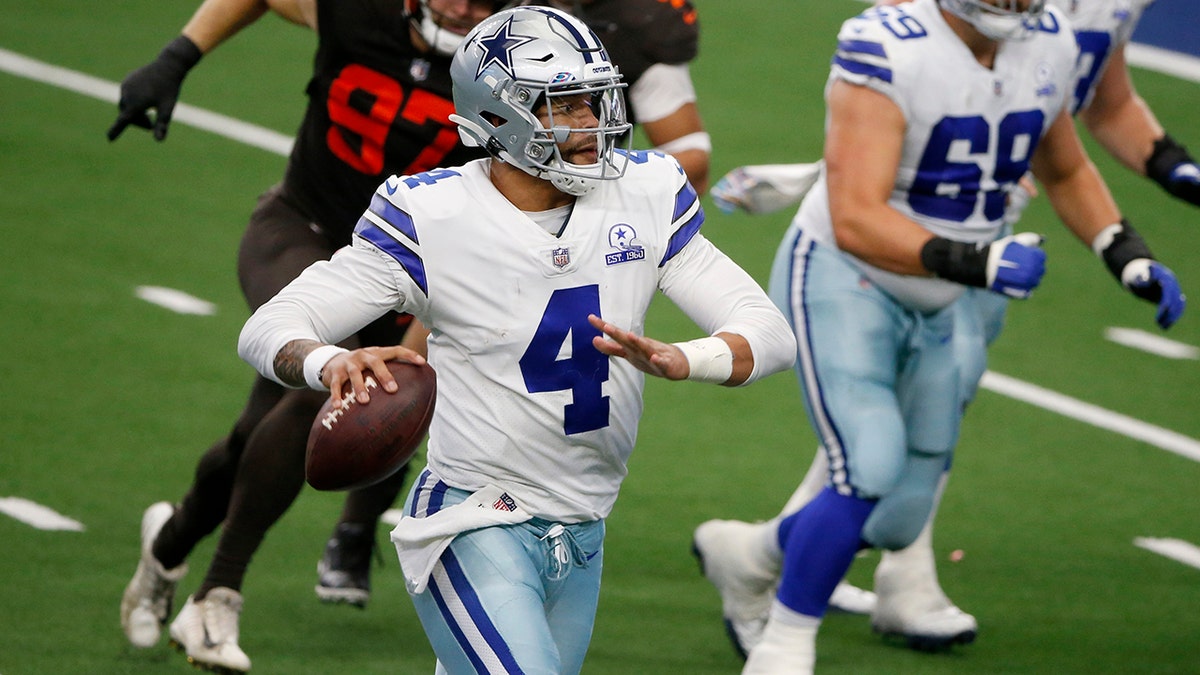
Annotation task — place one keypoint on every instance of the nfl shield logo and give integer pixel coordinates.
(561, 257)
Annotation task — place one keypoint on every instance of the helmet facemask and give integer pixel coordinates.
(1002, 21)
(525, 58)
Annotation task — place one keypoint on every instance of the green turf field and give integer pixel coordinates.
(110, 400)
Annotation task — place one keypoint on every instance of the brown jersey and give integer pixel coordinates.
(376, 107)
(641, 33)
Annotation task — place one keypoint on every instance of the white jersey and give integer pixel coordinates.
(971, 131)
(525, 402)
(1101, 27)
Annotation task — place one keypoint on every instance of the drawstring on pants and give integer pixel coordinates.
(564, 552)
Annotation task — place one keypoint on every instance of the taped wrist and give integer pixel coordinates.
(314, 365)
(1166, 156)
(1118, 245)
(956, 261)
(709, 359)
(181, 54)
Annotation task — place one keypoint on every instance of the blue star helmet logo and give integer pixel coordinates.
(498, 48)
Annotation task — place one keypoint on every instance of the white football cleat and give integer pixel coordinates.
(147, 601)
(912, 605)
(207, 632)
(851, 599)
(747, 586)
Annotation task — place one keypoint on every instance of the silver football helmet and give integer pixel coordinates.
(1004, 20)
(520, 59)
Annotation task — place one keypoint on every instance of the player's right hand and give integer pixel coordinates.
(155, 85)
(1015, 264)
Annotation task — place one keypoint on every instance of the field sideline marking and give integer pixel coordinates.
(41, 517)
(272, 141)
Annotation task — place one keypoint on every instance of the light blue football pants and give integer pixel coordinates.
(509, 599)
(882, 384)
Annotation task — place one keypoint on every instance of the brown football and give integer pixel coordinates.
(357, 445)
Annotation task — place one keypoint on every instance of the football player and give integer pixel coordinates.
(525, 266)
(652, 43)
(908, 599)
(379, 101)
(908, 214)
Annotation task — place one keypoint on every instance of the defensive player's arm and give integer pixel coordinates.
(218, 20)
(664, 101)
(863, 146)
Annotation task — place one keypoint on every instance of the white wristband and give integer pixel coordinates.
(315, 362)
(709, 359)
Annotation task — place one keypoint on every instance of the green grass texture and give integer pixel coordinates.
(109, 401)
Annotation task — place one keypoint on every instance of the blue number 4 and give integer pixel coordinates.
(583, 372)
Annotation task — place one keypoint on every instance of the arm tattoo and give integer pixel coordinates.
(289, 362)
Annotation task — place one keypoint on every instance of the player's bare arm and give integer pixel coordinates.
(1072, 182)
(1119, 119)
(862, 151)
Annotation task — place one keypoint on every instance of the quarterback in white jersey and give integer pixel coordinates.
(533, 270)
(935, 109)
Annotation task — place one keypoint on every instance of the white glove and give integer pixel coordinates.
(765, 188)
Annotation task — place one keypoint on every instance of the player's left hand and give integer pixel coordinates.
(1151, 280)
(646, 354)
(1184, 182)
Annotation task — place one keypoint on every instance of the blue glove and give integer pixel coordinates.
(1015, 264)
(1184, 182)
(1151, 280)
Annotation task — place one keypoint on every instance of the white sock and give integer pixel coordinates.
(788, 646)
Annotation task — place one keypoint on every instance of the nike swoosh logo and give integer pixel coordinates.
(391, 189)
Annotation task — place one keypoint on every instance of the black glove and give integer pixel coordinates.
(1173, 168)
(155, 85)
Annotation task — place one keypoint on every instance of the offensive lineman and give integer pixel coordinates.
(910, 600)
(908, 214)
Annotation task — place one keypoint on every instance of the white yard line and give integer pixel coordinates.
(1149, 342)
(175, 300)
(1175, 549)
(41, 517)
(1094, 415)
(234, 129)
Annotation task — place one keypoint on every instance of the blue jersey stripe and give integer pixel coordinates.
(683, 235)
(393, 216)
(684, 200)
(862, 47)
(408, 259)
(860, 68)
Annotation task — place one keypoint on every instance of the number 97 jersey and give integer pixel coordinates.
(971, 131)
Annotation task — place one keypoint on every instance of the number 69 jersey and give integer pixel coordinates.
(971, 131)
(525, 401)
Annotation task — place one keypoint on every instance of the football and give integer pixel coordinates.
(357, 445)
